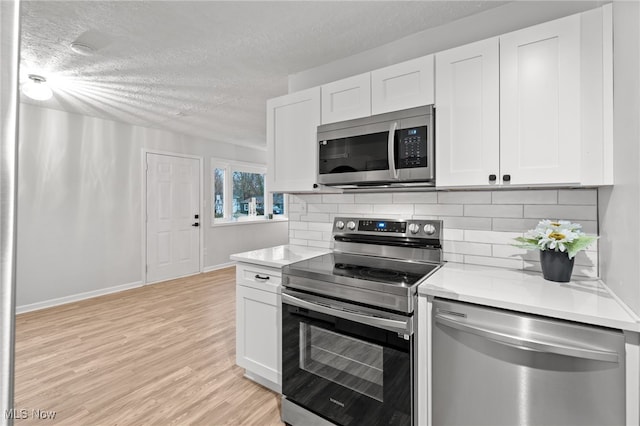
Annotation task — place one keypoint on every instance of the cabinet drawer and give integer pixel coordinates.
(259, 277)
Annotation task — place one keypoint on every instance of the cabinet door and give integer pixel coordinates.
(258, 336)
(346, 99)
(540, 103)
(405, 85)
(292, 123)
(468, 114)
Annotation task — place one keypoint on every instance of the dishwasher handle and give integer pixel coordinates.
(530, 344)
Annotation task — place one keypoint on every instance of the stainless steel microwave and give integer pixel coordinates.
(391, 149)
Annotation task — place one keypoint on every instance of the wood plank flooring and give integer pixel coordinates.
(163, 354)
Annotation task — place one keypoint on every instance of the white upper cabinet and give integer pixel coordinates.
(532, 107)
(405, 85)
(346, 99)
(292, 122)
(540, 103)
(468, 114)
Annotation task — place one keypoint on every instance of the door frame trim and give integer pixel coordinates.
(143, 195)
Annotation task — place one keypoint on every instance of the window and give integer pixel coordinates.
(240, 193)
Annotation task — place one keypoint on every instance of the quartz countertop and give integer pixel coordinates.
(587, 301)
(279, 256)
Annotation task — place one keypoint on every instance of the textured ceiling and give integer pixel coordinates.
(204, 68)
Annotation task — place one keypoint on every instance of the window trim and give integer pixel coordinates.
(230, 166)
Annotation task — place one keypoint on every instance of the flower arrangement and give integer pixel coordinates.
(562, 236)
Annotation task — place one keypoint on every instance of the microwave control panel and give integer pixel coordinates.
(412, 147)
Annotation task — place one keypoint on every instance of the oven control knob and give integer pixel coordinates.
(351, 225)
(340, 224)
(429, 229)
(414, 228)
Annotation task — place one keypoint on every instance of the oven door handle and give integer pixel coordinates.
(397, 326)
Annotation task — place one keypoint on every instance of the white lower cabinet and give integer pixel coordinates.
(258, 328)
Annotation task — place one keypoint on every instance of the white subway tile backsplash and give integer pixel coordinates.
(415, 197)
(355, 208)
(525, 197)
(315, 217)
(297, 242)
(494, 261)
(467, 222)
(439, 209)
(338, 198)
(464, 197)
(479, 226)
(374, 198)
(320, 226)
(578, 196)
(493, 210)
(308, 235)
(514, 225)
(395, 209)
(491, 237)
(452, 257)
(587, 258)
(308, 198)
(297, 207)
(504, 250)
(462, 247)
(572, 213)
(322, 208)
(298, 225)
(453, 234)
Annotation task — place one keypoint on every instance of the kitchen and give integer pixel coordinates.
(600, 210)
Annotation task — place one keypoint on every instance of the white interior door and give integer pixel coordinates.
(173, 239)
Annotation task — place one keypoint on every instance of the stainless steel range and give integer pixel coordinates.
(348, 330)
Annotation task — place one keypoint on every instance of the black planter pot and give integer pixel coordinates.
(556, 266)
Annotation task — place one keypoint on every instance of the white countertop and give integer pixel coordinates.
(279, 256)
(588, 301)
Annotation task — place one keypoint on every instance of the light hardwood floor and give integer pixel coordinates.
(160, 354)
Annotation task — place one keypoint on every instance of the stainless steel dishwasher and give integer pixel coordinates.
(498, 367)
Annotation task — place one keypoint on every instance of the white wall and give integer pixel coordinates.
(479, 226)
(619, 206)
(496, 21)
(80, 209)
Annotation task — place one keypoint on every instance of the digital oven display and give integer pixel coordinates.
(382, 226)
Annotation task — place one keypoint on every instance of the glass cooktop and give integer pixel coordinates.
(344, 267)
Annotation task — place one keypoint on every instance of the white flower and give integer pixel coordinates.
(556, 237)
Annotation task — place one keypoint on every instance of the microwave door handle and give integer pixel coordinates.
(391, 150)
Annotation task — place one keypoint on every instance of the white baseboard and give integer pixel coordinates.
(220, 266)
(76, 297)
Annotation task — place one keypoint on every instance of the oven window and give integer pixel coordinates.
(349, 362)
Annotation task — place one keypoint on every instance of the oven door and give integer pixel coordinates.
(345, 363)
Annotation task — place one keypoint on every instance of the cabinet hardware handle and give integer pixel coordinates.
(492, 178)
(195, 224)
(260, 277)
(315, 185)
(506, 178)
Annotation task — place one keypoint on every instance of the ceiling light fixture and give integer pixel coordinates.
(82, 48)
(37, 88)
